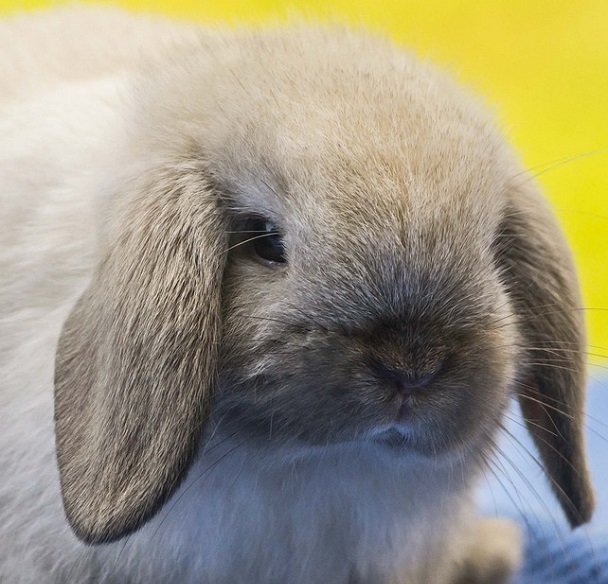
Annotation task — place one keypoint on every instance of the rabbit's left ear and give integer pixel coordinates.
(541, 279)
(136, 361)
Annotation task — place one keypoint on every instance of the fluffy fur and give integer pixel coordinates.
(316, 419)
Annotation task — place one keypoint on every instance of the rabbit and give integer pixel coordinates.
(265, 296)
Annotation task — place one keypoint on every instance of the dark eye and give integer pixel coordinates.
(265, 240)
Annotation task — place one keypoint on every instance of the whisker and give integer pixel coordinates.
(552, 165)
(527, 482)
(199, 477)
(496, 466)
(557, 487)
(529, 422)
(265, 234)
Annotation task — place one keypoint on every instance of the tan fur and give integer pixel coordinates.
(267, 398)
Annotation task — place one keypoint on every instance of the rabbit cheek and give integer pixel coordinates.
(310, 389)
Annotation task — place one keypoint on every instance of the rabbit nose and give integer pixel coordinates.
(404, 381)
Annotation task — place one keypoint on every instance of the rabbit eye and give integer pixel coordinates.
(265, 240)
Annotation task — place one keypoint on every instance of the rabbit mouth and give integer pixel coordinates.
(396, 437)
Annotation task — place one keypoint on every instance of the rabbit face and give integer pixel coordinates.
(395, 327)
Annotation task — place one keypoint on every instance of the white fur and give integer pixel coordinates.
(45, 260)
(267, 522)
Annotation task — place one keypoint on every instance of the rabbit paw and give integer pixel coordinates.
(493, 555)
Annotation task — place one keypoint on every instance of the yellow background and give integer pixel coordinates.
(543, 65)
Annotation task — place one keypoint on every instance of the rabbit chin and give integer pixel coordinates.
(404, 441)
(423, 435)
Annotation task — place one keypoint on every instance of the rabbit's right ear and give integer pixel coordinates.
(539, 273)
(136, 361)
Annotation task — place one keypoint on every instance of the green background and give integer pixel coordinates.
(543, 65)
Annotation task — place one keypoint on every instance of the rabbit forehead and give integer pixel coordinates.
(326, 130)
(348, 187)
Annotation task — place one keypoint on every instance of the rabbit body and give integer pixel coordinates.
(272, 458)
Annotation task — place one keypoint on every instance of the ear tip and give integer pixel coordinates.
(97, 528)
(581, 511)
(93, 535)
(98, 514)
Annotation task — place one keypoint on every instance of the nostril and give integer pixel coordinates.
(404, 380)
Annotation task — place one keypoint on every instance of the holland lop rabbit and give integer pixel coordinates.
(265, 296)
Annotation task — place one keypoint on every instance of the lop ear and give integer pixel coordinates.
(540, 275)
(136, 360)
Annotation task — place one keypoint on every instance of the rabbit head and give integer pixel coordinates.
(316, 239)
